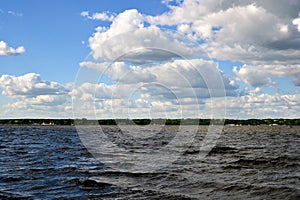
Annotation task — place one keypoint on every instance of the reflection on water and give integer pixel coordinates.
(248, 162)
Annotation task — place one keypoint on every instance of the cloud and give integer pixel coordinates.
(257, 36)
(296, 22)
(10, 12)
(196, 73)
(128, 101)
(180, 84)
(29, 85)
(119, 72)
(260, 106)
(16, 14)
(244, 31)
(104, 16)
(261, 75)
(6, 50)
(188, 11)
(157, 100)
(91, 92)
(184, 74)
(150, 69)
(127, 39)
(31, 94)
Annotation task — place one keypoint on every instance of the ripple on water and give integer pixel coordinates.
(52, 163)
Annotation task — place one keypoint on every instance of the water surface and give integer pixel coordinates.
(248, 162)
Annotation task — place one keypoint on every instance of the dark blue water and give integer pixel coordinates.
(248, 162)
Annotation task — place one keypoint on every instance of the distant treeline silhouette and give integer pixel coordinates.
(85, 121)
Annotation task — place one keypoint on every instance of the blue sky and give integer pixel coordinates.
(54, 51)
(52, 33)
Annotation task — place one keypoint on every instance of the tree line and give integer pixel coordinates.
(84, 121)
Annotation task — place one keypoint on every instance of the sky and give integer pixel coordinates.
(150, 59)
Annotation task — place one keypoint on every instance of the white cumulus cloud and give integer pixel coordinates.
(33, 95)
(128, 39)
(261, 75)
(181, 85)
(6, 50)
(245, 31)
(29, 85)
(150, 68)
(260, 106)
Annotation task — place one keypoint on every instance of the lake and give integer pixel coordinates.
(51, 162)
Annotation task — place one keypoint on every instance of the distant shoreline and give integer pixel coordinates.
(84, 121)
